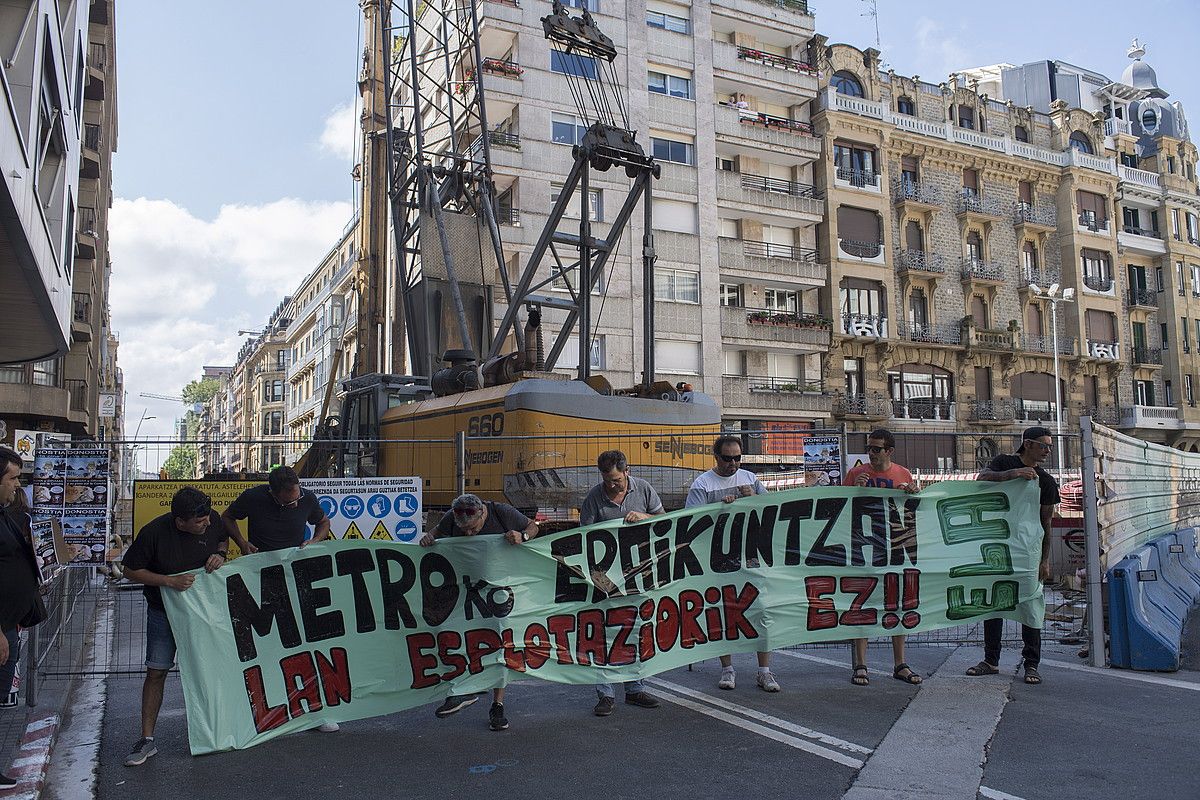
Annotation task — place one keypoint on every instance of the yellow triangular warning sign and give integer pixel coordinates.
(352, 532)
(381, 532)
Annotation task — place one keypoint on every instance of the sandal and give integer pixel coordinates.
(860, 680)
(983, 668)
(912, 677)
(1032, 675)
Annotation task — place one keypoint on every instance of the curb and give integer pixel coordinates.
(32, 759)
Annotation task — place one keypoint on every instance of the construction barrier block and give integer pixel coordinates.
(1189, 538)
(1146, 614)
(1170, 560)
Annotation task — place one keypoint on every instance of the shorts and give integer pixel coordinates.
(160, 642)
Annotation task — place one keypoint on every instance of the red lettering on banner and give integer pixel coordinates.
(861, 588)
(266, 717)
(449, 641)
(821, 615)
(560, 625)
(480, 643)
(334, 671)
(621, 651)
(691, 606)
(537, 645)
(646, 649)
(666, 628)
(300, 678)
(591, 647)
(735, 611)
(514, 658)
(419, 662)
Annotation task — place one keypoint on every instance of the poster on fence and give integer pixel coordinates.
(823, 461)
(49, 547)
(387, 509)
(281, 642)
(71, 485)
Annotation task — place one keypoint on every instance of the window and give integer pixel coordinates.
(674, 85)
(1180, 281)
(272, 423)
(677, 357)
(573, 64)
(1168, 395)
(677, 285)
(906, 106)
(1187, 390)
(668, 22)
(861, 297)
(781, 300)
(675, 215)
(735, 362)
(852, 371)
(1192, 234)
(595, 203)
(1080, 142)
(1025, 194)
(281, 360)
(970, 182)
(846, 83)
(974, 246)
(590, 5)
(731, 294)
(1144, 392)
(1162, 333)
(855, 164)
(1130, 219)
(569, 358)
(1029, 259)
(1196, 281)
(45, 373)
(979, 311)
(910, 171)
(1093, 210)
(1171, 164)
(1149, 120)
(860, 232)
(1159, 286)
(918, 309)
(726, 164)
(1129, 160)
(566, 128)
(1185, 336)
(1096, 268)
(1021, 133)
(672, 150)
(914, 239)
(1175, 223)
(966, 117)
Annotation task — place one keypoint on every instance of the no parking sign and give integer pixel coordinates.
(369, 508)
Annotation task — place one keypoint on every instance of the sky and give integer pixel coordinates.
(237, 133)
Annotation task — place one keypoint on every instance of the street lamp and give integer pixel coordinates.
(141, 420)
(1052, 296)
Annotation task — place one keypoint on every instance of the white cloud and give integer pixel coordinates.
(183, 286)
(341, 132)
(938, 51)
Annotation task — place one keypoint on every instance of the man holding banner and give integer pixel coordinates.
(189, 536)
(1024, 464)
(275, 514)
(725, 483)
(622, 496)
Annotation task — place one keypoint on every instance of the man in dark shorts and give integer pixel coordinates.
(619, 495)
(276, 514)
(1024, 464)
(471, 516)
(189, 536)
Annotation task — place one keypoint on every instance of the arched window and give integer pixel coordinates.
(1021, 134)
(846, 83)
(1034, 396)
(1081, 142)
(1149, 120)
(906, 106)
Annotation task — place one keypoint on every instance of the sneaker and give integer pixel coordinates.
(7, 782)
(329, 727)
(140, 752)
(767, 682)
(496, 719)
(455, 703)
(642, 700)
(604, 706)
(728, 681)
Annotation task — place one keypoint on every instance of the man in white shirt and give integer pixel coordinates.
(725, 483)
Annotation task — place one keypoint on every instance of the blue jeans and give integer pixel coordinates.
(9, 668)
(631, 687)
(160, 642)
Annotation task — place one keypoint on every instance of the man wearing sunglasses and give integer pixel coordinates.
(1025, 464)
(276, 514)
(881, 472)
(725, 483)
(188, 537)
(469, 515)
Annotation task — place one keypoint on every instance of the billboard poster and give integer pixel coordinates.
(71, 485)
(822, 461)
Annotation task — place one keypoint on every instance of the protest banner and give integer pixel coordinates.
(280, 642)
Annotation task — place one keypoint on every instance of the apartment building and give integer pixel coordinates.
(57, 273)
(721, 95)
(320, 339)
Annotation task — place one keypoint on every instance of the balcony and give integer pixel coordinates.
(759, 327)
(1141, 240)
(1104, 349)
(1140, 177)
(1104, 413)
(1144, 298)
(81, 316)
(862, 406)
(85, 238)
(1034, 410)
(972, 204)
(97, 62)
(863, 251)
(1045, 344)
(1039, 277)
(1038, 218)
(770, 262)
(916, 194)
(994, 412)
(865, 325)
(1114, 126)
(1093, 224)
(920, 261)
(1099, 284)
(77, 391)
(774, 394)
(736, 66)
(790, 17)
(499, 139)
(991, 338)
(865, 179)
(776, 61)
(1146, 356)
(503, 67)
(946, 333)
(924, 408)
(767, 132)
(976, 270)
(755, 191)
(1150, 417)
(508, 216)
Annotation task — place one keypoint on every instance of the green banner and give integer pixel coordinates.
(279, 642)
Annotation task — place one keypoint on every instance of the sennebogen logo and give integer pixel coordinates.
(677, 447)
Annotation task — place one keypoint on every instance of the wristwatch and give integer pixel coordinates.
(524, 536)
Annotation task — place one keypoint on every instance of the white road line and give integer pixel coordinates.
(1125, 675)
(784, 724)
(996, 794)
(762, 730)
(832, 662)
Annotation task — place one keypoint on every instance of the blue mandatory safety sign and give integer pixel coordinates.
(352, 506)
(379, 505)
(406, 504)
(406, 530)
(328, 505)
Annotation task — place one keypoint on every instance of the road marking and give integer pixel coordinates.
(1124, 675)
(996, 794)
(830, 661)
(762, 730)
(745, 711)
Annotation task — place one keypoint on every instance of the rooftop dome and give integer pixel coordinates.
(1139, 74)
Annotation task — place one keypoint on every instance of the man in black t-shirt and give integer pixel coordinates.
(188, 537)
(1024, 465)
(471, 516)
(276, 514)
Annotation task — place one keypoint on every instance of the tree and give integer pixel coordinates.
(200, 391)
(181, 463)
